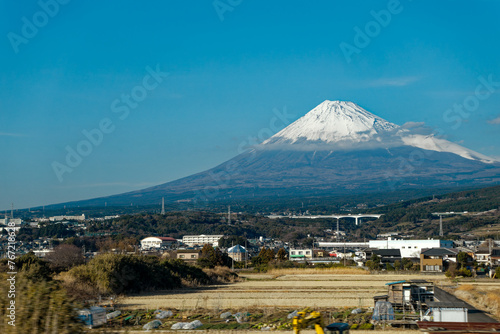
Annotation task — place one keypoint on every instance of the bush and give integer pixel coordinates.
(450, 274)
(497, 273)
(354, 326)
(366, 326)
(118, 273)
(464, 272)
(41, 306)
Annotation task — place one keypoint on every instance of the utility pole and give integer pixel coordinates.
(246, 253)
(338, 230)
(229, 215)
(344, 253)
(163, 205)
(440, 225)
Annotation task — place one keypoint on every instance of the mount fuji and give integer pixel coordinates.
(338, 148)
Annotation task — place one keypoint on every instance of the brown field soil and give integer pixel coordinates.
(275, 290)
(392, 331)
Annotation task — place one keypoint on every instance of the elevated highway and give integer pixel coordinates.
(333, 216)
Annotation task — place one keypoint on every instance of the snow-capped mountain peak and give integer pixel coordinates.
(333, 121)
(343, 125)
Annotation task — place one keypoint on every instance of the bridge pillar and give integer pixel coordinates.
(338, 229)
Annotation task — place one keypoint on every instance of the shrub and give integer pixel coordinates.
(117, 273)
(497, 273)
(41, 306)
(366, 326)
(465, 272)
(450, 274)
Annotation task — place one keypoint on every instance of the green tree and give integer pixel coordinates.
(282, 255)
(375, 258)
(407, 263)
(264, 257)
(462, 259)
(270, 255)
(33, 267)
(211, 257)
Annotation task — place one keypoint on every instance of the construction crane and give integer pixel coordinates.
(308, 317)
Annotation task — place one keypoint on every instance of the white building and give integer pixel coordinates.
(58, 218)
(11, 224)
(298, 254)
(193, 240)
(15, 221)
(43, 252)
(157, 242)
(410, 248)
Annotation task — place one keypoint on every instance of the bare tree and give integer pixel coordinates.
(64, 257)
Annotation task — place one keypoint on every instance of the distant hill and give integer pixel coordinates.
(414, 217)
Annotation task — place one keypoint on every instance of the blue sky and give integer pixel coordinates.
(231, 64)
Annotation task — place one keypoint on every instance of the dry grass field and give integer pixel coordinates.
(278, 289)
(482, 295)
(212, 331)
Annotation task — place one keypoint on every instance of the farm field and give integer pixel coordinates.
(275, 291)
(392, 331)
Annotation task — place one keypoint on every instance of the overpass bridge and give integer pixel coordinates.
(357, 217)
(334, 216)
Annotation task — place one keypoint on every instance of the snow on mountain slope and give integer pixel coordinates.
(441, 145)
(333, 121)
(343, 125)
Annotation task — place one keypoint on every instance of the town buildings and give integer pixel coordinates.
(193, 240)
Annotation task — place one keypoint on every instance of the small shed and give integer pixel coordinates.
(410, 293)
(446, 312)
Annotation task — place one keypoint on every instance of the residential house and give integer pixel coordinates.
(237, 253)
(436, 260)
(188, 255)
(388, 255)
